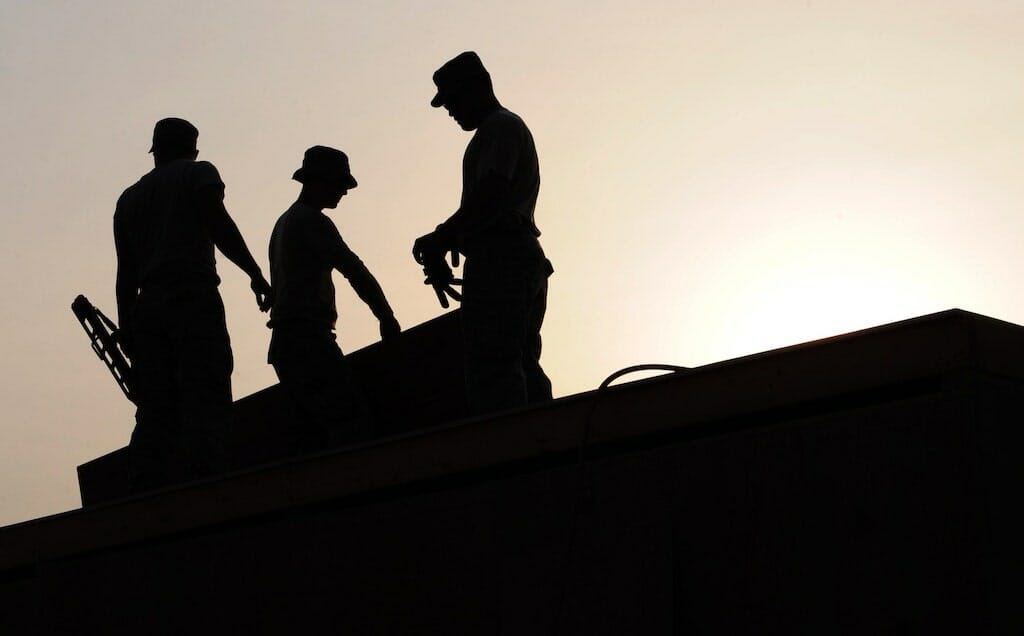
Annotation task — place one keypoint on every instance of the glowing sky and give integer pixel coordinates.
(718, 178)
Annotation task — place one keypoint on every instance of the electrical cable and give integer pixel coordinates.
(580, 474)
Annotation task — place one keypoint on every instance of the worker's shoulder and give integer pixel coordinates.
(201, 166)
(301, 219)
(326, 226)
(129, 194)
(504, 118)
(185, 173)
(504, 124)
(181, 172)
(202, 173)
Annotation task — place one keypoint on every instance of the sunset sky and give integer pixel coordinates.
(718, 178)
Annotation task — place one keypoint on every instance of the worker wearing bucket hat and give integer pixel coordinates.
(305, 248)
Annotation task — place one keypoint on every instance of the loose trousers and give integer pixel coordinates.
(181, 374)
(315, 374)
(505, 284)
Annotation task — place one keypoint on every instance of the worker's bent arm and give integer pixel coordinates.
(479, 209)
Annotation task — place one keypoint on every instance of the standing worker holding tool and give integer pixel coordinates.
(305, 248)
(171, 314)
(504, 285)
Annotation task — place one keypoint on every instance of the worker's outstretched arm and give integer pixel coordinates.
(367, 288)
(229, 241)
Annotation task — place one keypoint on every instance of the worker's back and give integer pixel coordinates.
(163, 228)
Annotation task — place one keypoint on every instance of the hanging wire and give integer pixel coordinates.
(581, 458)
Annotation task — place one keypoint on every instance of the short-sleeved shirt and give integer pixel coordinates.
(159, 221)
(305, 247)
(503, 145)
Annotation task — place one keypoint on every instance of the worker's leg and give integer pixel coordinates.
(499, 311)
(203, 376)
(315, 374)
(155, 434)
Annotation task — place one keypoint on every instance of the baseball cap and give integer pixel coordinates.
(174, 133)
(456, 73)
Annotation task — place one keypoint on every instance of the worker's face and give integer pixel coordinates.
(333, 194)
(463, 107)
(324, 194)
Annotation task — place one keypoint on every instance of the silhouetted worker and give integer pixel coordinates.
(305, 248)
(171, 314)
(505, 275)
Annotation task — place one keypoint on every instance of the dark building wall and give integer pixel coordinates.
(862, 484)
(886, 517)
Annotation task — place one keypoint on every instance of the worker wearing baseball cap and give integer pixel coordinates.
(171, 315)
(504, 288)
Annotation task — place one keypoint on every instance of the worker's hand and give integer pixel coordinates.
(264, 294)
(429, 247)
(440, 277)
(445, 290)
(389, 329)
(436, 269)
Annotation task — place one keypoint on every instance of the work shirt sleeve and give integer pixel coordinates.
(204, 174)
(500, 175)
(332, 249)
(498, 146)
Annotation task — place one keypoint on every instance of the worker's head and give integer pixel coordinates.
(174, 138)
(325, 177)
(464, 89)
